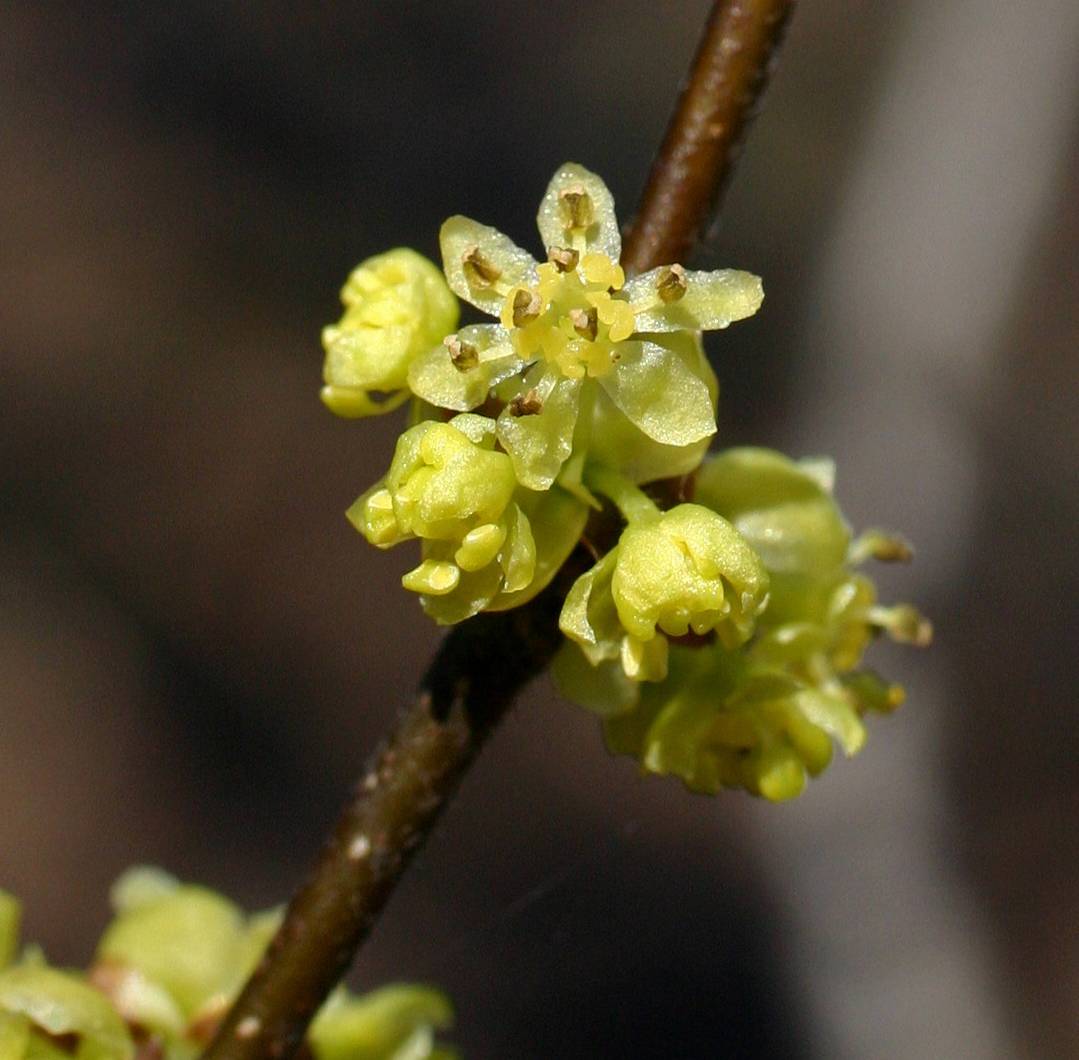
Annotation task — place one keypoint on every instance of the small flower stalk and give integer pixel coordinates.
(719, 639)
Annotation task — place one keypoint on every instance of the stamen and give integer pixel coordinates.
(575, 206)
(671, 284)
(528, 404)
(563, 258)
(526, 307)
(478, 270)
(881, 545)
(463, 355)
(585, 322)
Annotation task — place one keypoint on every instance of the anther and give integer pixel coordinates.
(463, 355)
(584, 322)
(529, 404)
(671, 284)
(575, 206)
(563, 258)
(526, 307)
(477, 269)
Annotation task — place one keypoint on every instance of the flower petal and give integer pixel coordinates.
(778, 507)
(353, 403)
(540, 443)
(709, 300)
(484, 359)
(518, 556)
(603, 689)
(560, 207)
(588, 614)
(481, 264)
(472, 592)
(557, 520)
(662, 392)
(834, 714)
(618, 444)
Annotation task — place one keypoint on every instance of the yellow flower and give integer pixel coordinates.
(572, 331)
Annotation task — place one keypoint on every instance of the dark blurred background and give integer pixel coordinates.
(197, 651)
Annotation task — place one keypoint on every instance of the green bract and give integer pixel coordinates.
(721, 640)
(166, 970)
(396, 305)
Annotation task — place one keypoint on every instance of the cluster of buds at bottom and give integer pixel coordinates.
(760, 704)
(166, 970)
(721, 640)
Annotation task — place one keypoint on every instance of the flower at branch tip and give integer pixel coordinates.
(450, 487)
(573, 330)
(397, 305)
(672, 573)
(167, 969)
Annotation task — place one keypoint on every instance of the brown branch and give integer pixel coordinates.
(706, 130)
(484, 663)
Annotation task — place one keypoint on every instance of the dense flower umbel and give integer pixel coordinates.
(762, 715)
(166, 970)
(721, 639)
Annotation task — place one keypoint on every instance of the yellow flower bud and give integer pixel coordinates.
(443, 483)
(397, 306)
(687, 570)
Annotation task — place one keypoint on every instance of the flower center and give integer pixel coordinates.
(574, 317)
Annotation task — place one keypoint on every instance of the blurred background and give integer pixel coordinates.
(197, 651)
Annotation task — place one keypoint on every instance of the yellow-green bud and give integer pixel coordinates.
(397, 306)
(687, 570)
(443, 482)
(676, 572)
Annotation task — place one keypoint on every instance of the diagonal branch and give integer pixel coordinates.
(484, 663)
(705, 132)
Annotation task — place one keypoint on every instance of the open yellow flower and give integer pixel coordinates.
(572, 329)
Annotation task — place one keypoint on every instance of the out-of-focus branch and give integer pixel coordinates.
(484, 663)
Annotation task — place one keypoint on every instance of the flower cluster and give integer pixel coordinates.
(762, 714)
(721, 639)
(166, 970)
